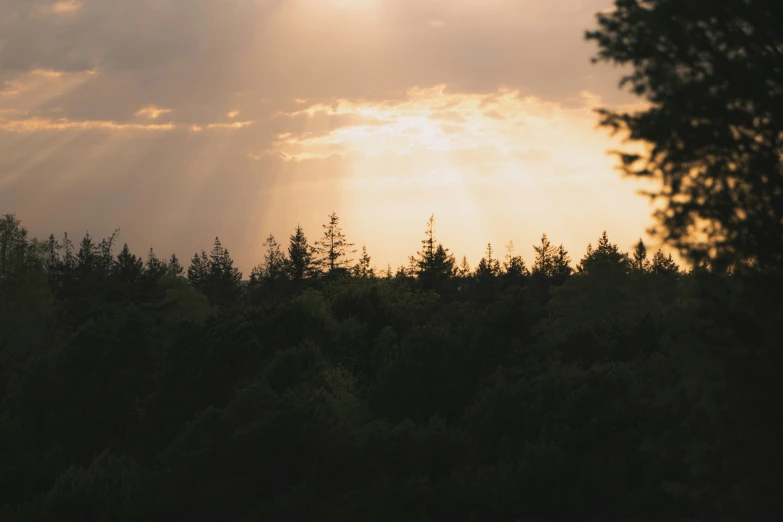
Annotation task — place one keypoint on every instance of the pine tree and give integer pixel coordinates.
(198, 271)
(662, 265)
(275, 263)
(333, 248)
(463, 271)
(104, 251)
(154, 267)
(87, 256)
(174, 268)
(605, 252)
(514, 267)
(363, 268)
(300, 263)
(128, 269)
(545, 258)
(434, 264)
(639, 261)
(488, 267)
(561, 268)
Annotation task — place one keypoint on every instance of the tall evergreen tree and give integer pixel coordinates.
(433, 265)
(333, 248)
(463, 270)
(663, 265)
(363, 268)
(173, 267)
(639, 261)
(274, 265)
(300, 256)
(543, 266)
(488, 267)
(605, 252)
(154, 267)
(128, 269)
(514, 267)
(561, 267)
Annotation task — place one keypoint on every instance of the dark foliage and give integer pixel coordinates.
(628, 389)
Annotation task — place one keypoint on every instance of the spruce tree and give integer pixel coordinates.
(543, 266)
(463, 271)
(154, 267)
(128, 269)
(363, 268)
(639, 261)
(333, 249)
(433, 265)
(514, 268)
(663, 265)
(488, 267)
(173, 267)
(605, 252)
(300, 263)
(561, 267)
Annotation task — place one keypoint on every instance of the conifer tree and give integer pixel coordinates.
(662, 265)
(488, 266)
(544, 264)
(513, 266)
(561, 268)
(433, 265)
(300, 262)
(174, 268)
(198, 271)
(333, 248)
(363, 268)
(639, 261)
(128, 268)
(605, 252)
(154, 267)
(463, 270)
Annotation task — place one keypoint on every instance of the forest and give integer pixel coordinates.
(600, 385)
(134, 389)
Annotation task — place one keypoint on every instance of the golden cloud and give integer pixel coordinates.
(62, 7)
(151, 112)
(432, 119)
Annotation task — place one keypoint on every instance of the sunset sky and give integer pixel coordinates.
(180, 120)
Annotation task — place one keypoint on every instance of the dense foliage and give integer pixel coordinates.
(324, 391)
(711, 74)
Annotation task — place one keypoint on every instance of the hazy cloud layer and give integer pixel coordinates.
(181, 119)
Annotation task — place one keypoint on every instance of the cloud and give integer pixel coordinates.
(60, 8)
(151, 112)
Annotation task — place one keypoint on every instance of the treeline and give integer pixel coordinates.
(622, 389)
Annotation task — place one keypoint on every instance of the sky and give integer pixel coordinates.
(180, 120)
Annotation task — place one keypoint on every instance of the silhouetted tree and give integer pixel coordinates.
(712, 77)
(463, 270)
(333, 248)
(514, 268)
(154, 267)
(300, 256)
(488, 267)
(128, 269)
(663, 265)
(363, 268)
(605, 252)
(640, 262)
(215, 275)
(544, 264)
(561, 266)
(433, 265)
(174, 268)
